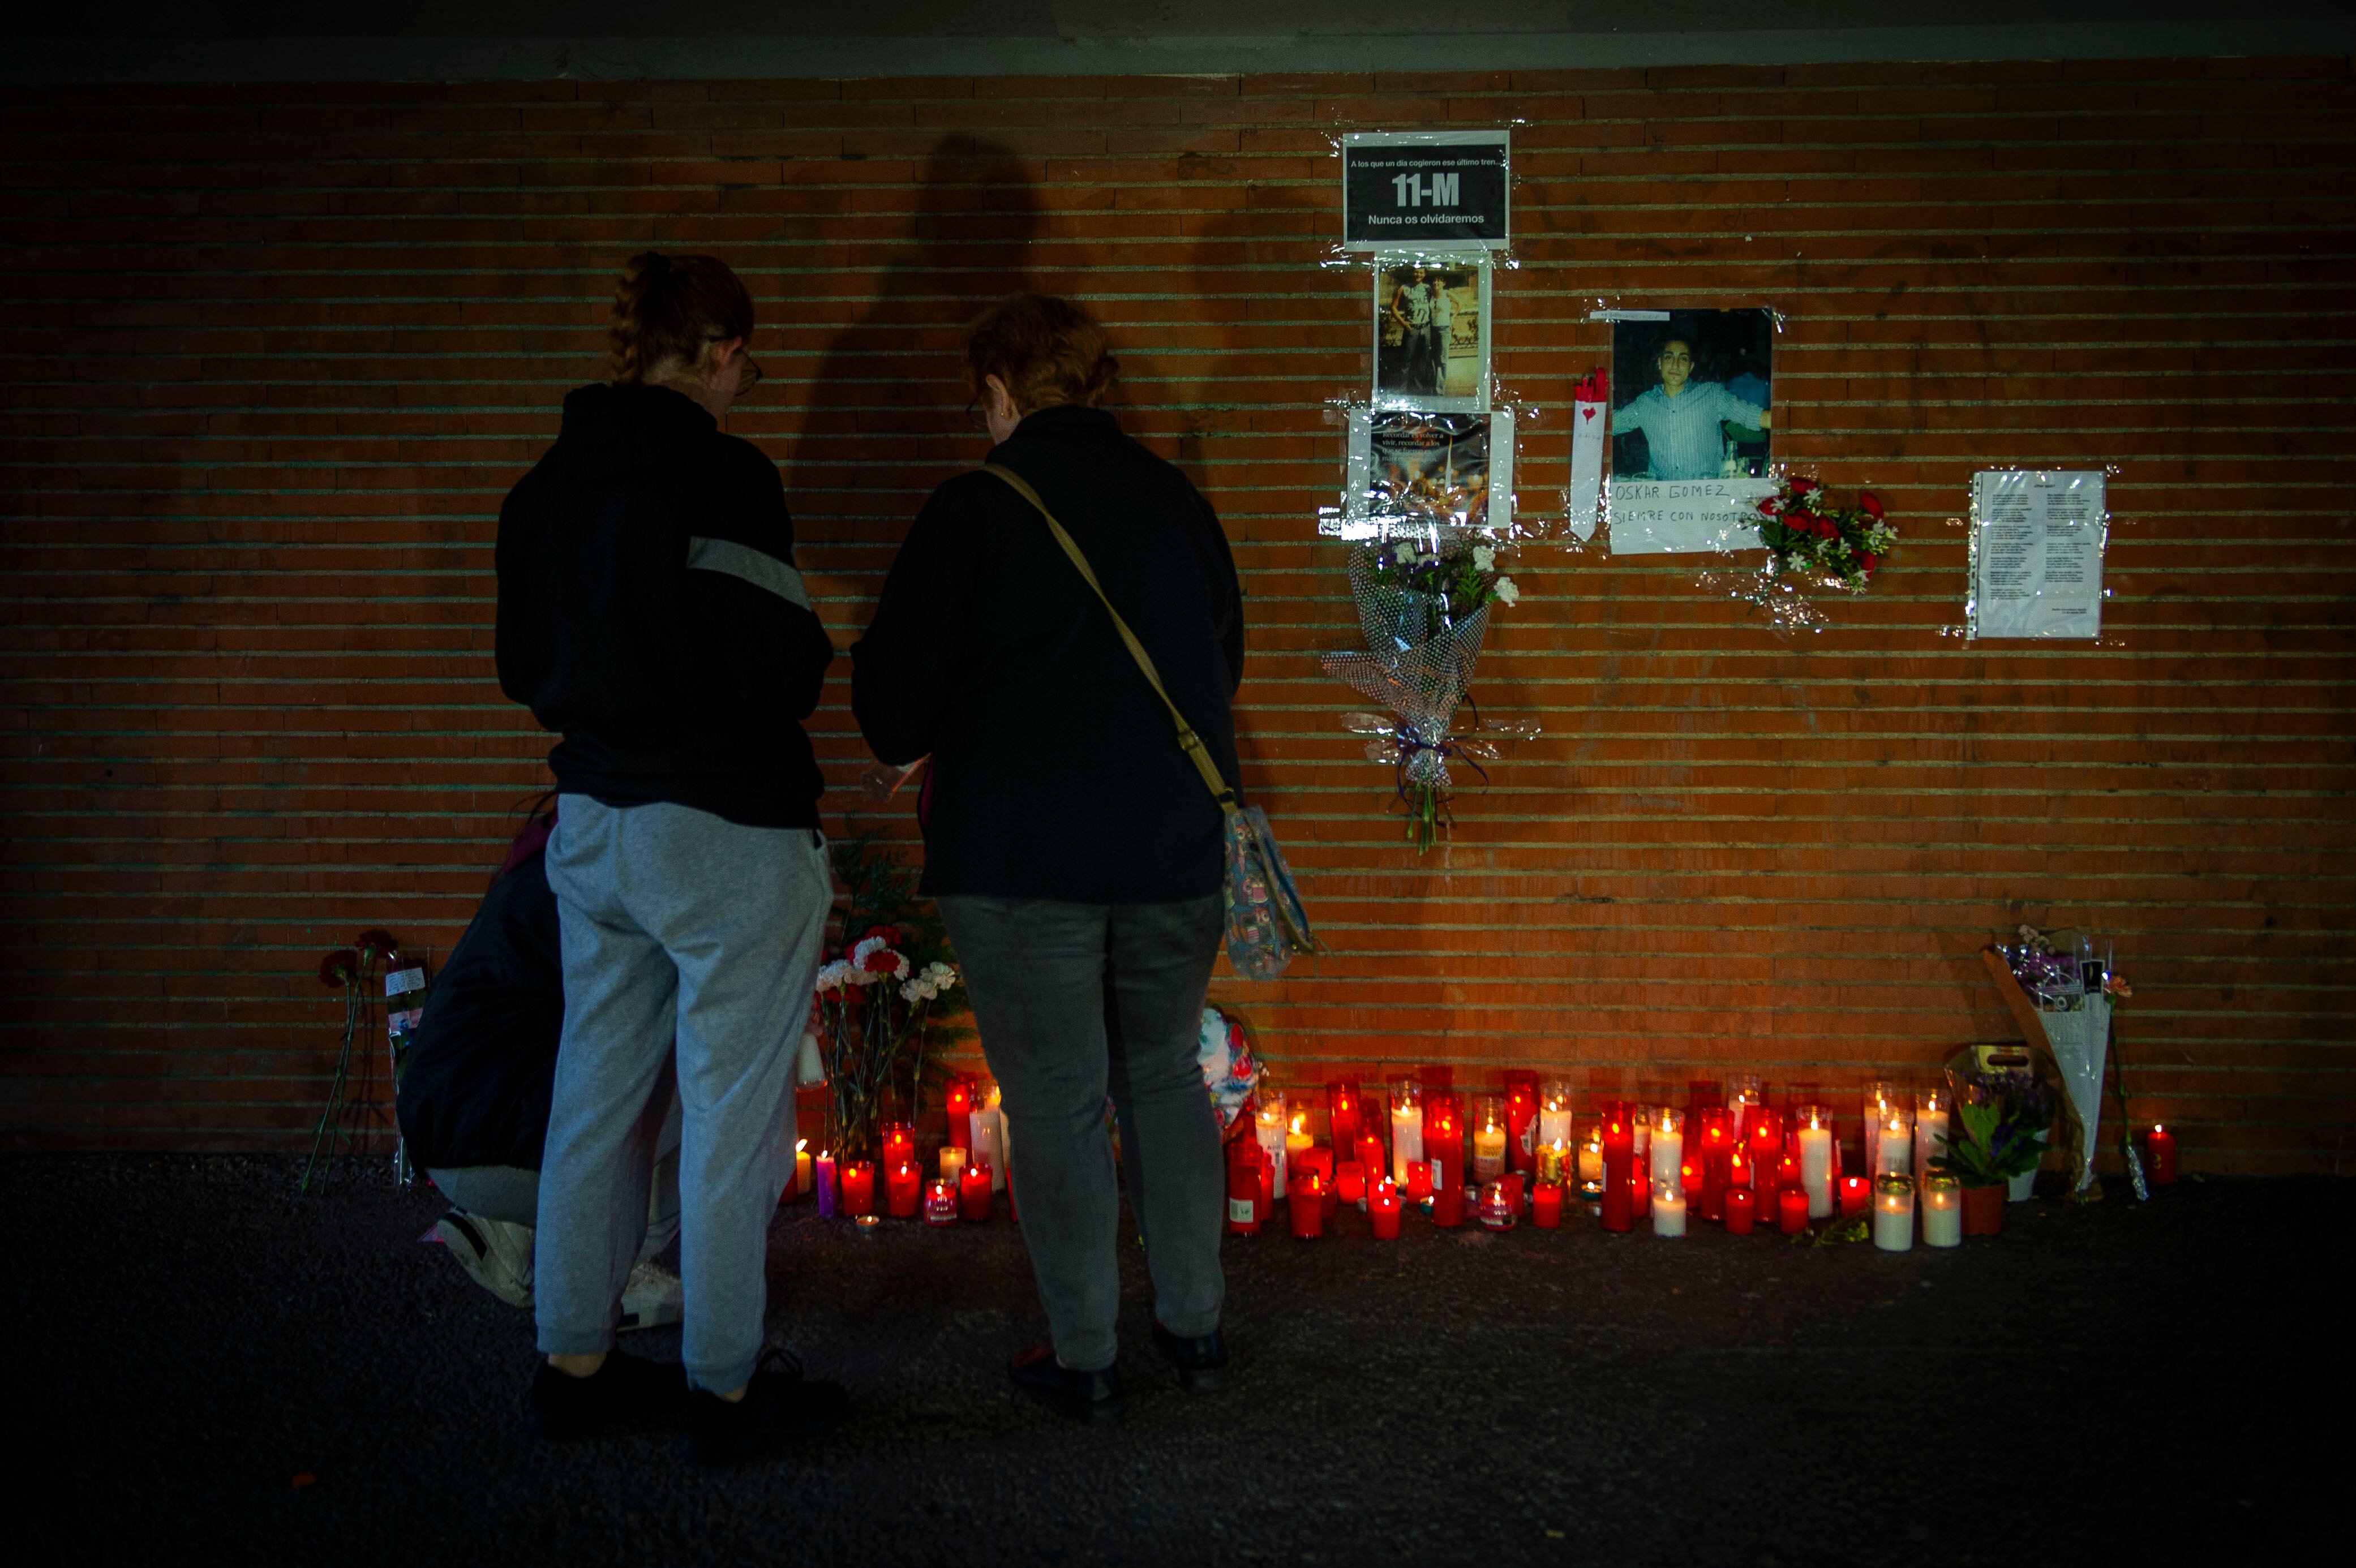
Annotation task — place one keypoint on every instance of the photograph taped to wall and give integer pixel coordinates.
(1691, 429)
(1444, 188)
(1431, 333)
(2036, 544)
(1413, 472)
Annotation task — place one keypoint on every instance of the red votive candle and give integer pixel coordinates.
(1370, 1155)
(1521, 1118)
(1448, 1205)
(899, 1144)
(1742, 1206)
(1545, 1208)
(1320, 1161)
(957, 1103)
(973, 1191)
(858, 1187)
(1383, 1209)
(1419, 1180)
(1266, 1189)
(903, 1188)
(1243, 1189)
(1618, 1166)
(1855, 1192)
(1791, 1205)
(2159, 1156)
(940, 1203)
(1306, 1195)
(1343, 1111)
(1350, 1183)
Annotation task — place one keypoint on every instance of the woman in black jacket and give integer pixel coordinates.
(1073, 848)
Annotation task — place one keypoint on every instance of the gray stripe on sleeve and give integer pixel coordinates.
(756, 567)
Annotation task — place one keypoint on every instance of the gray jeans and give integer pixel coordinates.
(675, 922)
(511, 1192)
(1076, 1002)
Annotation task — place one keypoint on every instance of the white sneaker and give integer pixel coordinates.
(652, 1298)
(498, 1253)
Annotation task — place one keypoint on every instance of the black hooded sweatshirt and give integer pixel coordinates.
(650, 613)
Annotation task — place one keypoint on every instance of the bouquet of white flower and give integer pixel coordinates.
(1423, 609)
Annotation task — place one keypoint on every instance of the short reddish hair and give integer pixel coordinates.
(1047, 350)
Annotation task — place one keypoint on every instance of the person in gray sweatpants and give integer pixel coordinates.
(673, 918)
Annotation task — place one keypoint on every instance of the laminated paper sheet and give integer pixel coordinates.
(2037, 554)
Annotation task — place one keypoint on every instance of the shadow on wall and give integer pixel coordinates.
(887, 419)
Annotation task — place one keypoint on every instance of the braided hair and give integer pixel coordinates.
(668, 308)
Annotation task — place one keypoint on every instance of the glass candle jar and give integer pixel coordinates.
(1406, 1126)
(1490, 1130)
(1744, 1094)
(1893, 1213)
(1667, 1145)
(1496, 1207)
(1668, 1209)
(1943, 1211)
(1812, 1129)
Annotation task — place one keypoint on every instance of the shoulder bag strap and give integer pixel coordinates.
(1188, 742)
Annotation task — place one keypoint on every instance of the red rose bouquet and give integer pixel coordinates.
(1803, 529)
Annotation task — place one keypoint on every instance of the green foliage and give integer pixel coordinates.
(1998, 1142)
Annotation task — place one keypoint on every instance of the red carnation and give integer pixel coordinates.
(1872, 505)
(890, 933)
(374, 940)
(339, 968)
(1802, 486)
(1771, 506)
(1868, 562)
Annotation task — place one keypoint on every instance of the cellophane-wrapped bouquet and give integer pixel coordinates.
(1423, 607)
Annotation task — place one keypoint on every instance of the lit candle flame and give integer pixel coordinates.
(1299, 1122)
(800, 1145)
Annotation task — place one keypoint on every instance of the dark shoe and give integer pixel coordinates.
(1083, 1396)
(625, 1392)
(1202, 1361)
(779, 1406)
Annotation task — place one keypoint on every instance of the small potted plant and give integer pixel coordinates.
(2005, 1117)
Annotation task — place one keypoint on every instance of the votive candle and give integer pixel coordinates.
(903, 1188)
(858, 1178)
(1306, 1199)
(2159, 1156)
(1554, 1113)
(1854, 1192)
(1546, 1207)
(1930, 1128)
(953, 1158)
(956, 1106)
(1893, 1144)
(1668, 1146)
(1792, 1210)
(1742, 1207)
(1893, 1213)
(1343, 1113)
(801, 1182)
(1418, 1181)
(941, 1203)
(1383, 1210)
(1407, 1127)
(1814, 1129)
(974, 1187)
(1943, 1211)
(1243, 1189)
(1297, 1143)
(1268, 1127)
(1489, 1140)
(1521, 1119)
(1669, 1207)
(1350, 1183)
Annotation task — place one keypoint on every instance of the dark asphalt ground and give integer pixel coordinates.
(2101, 1384)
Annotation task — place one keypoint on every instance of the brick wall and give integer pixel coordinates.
(274, 354)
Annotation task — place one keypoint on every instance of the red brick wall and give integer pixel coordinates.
(273, 355)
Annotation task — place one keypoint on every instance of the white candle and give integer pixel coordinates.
(1669, 1207)
(1892, 1149)
(1489, 1153)
(1930, 1131)
(1296, 1142)
(1553, 1124)
(1668, 1149)
(987, 1125)
(953, 1160)
(1643, 1131)
(1269, 1129)
(1893, 1216)
(1406, 1137)
(1942, 1215)
(1591, 1160)
(1816, 1165)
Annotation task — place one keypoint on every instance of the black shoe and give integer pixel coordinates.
(625, 1392)
(779, 1406)
(1202, 1361)
(1083, 1396)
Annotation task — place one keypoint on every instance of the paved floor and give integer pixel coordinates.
(2098, 1383)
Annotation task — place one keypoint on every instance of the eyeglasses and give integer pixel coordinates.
(750, 375)
(974, 416)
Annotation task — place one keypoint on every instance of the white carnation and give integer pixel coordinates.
(1507, 592)
(1483, 558)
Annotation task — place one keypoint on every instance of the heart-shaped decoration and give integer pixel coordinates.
(1587, 413)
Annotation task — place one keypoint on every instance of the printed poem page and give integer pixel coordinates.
(2040, 555)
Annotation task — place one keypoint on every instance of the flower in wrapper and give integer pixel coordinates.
(1806, 534)
(375, 943)
(339, 968)
(1423, 613)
